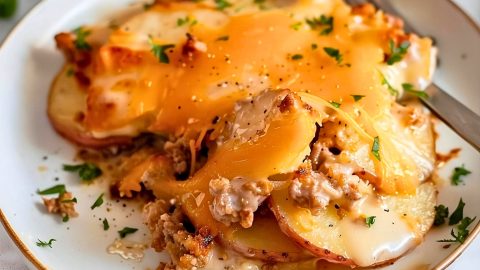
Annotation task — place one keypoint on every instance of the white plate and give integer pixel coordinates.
(28, 63)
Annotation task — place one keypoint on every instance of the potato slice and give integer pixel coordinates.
(405, 139)
(279, 148)
(401, 222)
(256, 241)
(66, 110)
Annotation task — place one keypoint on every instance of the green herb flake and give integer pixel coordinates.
(106, 226)
(86, 171)
(81, 39)
(70, 72)
(462, 231)
(7, 8)
(186, 21)
(98, 202)
(74, 200)
(391, 89)
(376, 148)
(296, 26)
(261, 4)
(397, 53)
(441, 213)
(458, 172)
(407, 87)
(66, 218)
(297, 57)
(41, 243)
(223, 38)
(357, 97)
(126, 231)
(334, 53)
(159, 51)
(314, 46)
(147, 6)
(457, 215)
(324, 23)
(335, 104)
(222, 4)
(369, 221)
(58, 189)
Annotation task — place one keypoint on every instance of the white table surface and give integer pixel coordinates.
(11, 258)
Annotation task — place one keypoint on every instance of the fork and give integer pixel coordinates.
(454, 114)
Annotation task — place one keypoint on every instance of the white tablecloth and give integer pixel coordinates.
(11, 258)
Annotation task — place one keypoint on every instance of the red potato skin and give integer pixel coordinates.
(321, 253)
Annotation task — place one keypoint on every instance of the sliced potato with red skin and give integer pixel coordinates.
(320, 234)
(66, 111)
(264, 241)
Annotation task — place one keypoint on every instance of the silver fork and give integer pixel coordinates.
(457, 116)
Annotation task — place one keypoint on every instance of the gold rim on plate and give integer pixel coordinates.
(36, 262)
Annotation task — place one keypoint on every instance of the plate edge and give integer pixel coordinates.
(36, 262)
(19, 243)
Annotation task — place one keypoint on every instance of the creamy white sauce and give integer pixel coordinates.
(127, 250)
(388, 238)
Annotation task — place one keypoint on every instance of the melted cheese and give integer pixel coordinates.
(127, 250)
(257, 55)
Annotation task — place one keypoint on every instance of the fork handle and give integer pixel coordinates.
(454, 114)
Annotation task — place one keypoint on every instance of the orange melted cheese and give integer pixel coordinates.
(133, 92)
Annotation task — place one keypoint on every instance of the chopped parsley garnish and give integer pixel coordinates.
(159, 51)
(462, 231)
(314, 46)
(58, 189)
(297, 57)
(106, 226)
(407, 87)
(41, 243)
(86, 171)
(335, 104)
(357, 97)
(323, 22)
(70, 72)
(334, 53)
(74, 200)
(126, 231)
(7, 8)
(393, 91)
(222, 4)
(223, 38)
(296, 26)
(376, 148)
(370, 221)
(66, 218)
(260, 3)
(98, 202)
(458, 172)
(81, 36)
(397, 53)
(147, 6)
(185, 21)
(441, 213)
(457, 215)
